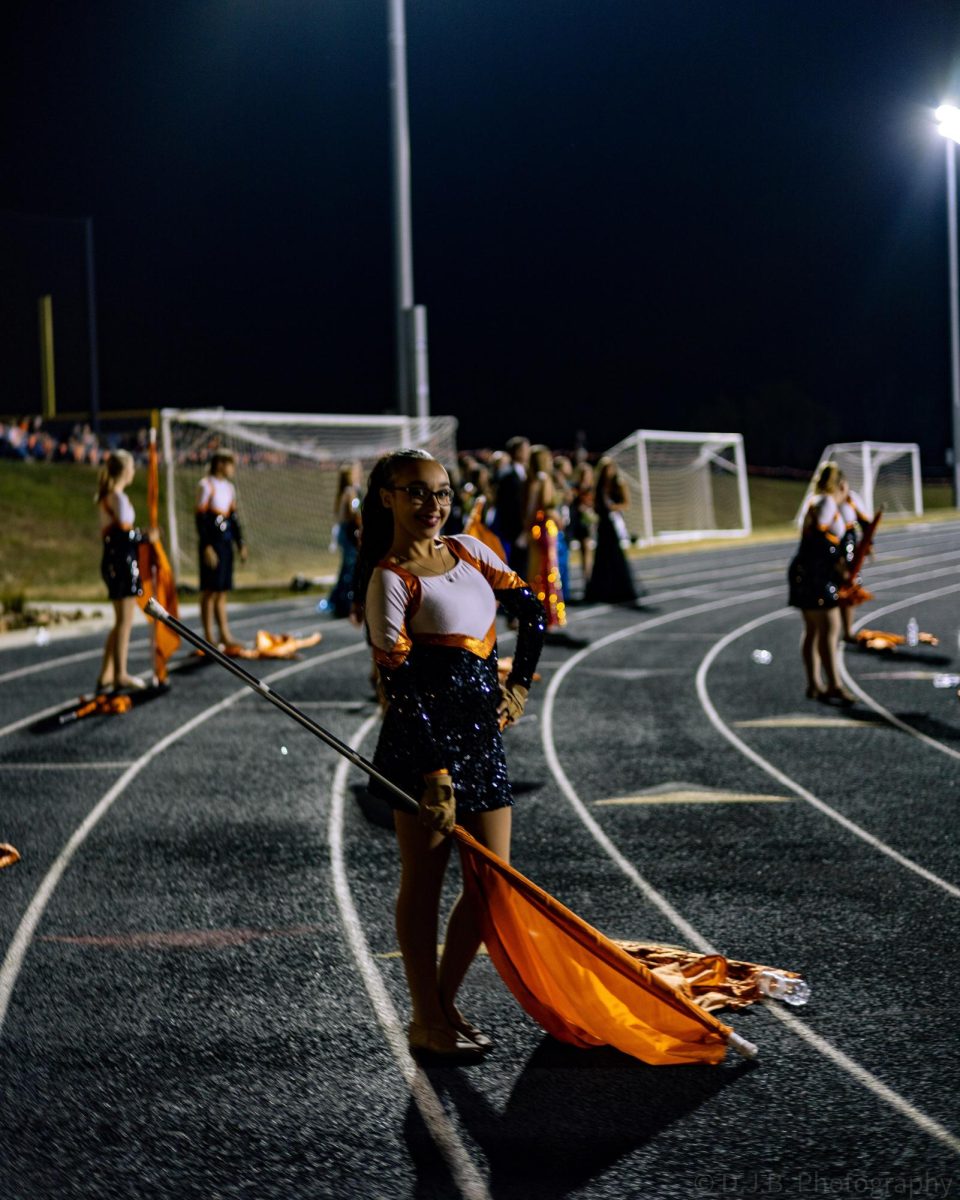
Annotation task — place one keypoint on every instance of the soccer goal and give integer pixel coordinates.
(287, 467)
(684, 486)
(884, 474)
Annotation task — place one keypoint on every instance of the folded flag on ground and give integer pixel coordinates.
(878, 639)
(8, 855)
(273, 645)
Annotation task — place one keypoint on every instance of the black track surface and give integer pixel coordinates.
(187, 1012)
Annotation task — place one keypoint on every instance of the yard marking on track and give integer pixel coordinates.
(875, 704)
(862, 1076)
(20, 943)
(461, 1165)
(780, 776)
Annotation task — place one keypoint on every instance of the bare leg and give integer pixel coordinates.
(846, 616)
(206, 615)
(106, 666)
(491, 829)
(220, 610)
(423, 860)
(124, 610)
(808, 650)
(828, 647)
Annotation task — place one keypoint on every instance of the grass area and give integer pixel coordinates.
(50, 548)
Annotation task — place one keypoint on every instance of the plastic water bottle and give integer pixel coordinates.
(779, 986)
(946, 681)
(913, 632)
(764, 657)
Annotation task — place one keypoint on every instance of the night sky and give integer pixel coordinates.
(689, 214)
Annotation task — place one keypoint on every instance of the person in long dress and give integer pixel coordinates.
(347, 513)
(542, 523)
(611, 580)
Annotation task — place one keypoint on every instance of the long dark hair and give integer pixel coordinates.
(376, 535)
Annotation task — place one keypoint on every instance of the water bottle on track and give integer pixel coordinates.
(779, 986)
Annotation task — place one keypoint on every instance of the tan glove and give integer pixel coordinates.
(437, 806)
(513, 700)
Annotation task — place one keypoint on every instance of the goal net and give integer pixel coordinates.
(286, 480)
(684, 486)
(884, 474)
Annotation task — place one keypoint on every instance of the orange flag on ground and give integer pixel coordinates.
(8, 855)
(579, 985)
(156, 572)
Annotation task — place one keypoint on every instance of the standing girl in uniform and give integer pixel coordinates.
(816, 573)
(119, 567)
(218, 530)
(430, 612)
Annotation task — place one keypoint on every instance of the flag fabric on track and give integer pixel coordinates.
(579, 985)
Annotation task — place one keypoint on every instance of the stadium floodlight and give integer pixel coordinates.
(948, 125)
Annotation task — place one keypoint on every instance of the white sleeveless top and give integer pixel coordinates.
(216, 495)
(116, 512)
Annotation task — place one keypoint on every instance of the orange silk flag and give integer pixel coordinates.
(156, 572)
(579, 985)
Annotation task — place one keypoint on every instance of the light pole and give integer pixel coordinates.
(948, 124)
(413, 387)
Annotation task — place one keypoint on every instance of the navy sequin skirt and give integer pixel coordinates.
(220, 577)
(455, 712)
(119, 565)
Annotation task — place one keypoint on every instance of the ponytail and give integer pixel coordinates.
(111, 469)
(376, 532)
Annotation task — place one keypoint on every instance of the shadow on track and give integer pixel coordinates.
(571, 1115)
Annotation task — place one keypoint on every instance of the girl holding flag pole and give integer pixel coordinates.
(430, 605)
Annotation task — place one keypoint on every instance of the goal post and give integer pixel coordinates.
(287, 469)
(684, 486)
(884, 474)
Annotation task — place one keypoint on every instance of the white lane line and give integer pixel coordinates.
(865, 1078)
(31, 718)
(20, 943)
(462, 1168)
(39, 715)
(775, 773)
(139, 648)
(546, 723)
(877, 707)
(68, 766)
(692, 935)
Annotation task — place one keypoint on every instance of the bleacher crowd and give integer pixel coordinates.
(30, 439)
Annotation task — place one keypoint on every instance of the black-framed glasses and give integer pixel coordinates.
(419, 493)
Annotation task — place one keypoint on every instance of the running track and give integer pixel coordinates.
(199, 988)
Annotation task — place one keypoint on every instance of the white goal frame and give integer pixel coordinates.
(361, 437)
(861, 463)
(632, 456)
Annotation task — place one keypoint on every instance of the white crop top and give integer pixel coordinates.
(216, 495)
(116, 511)
(457, 609)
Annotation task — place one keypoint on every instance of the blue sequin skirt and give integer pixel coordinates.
(457, 694)
(119, 565)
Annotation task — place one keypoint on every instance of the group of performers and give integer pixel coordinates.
(218, 532)
(428, 600)
(533, 509)
(823, 582)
